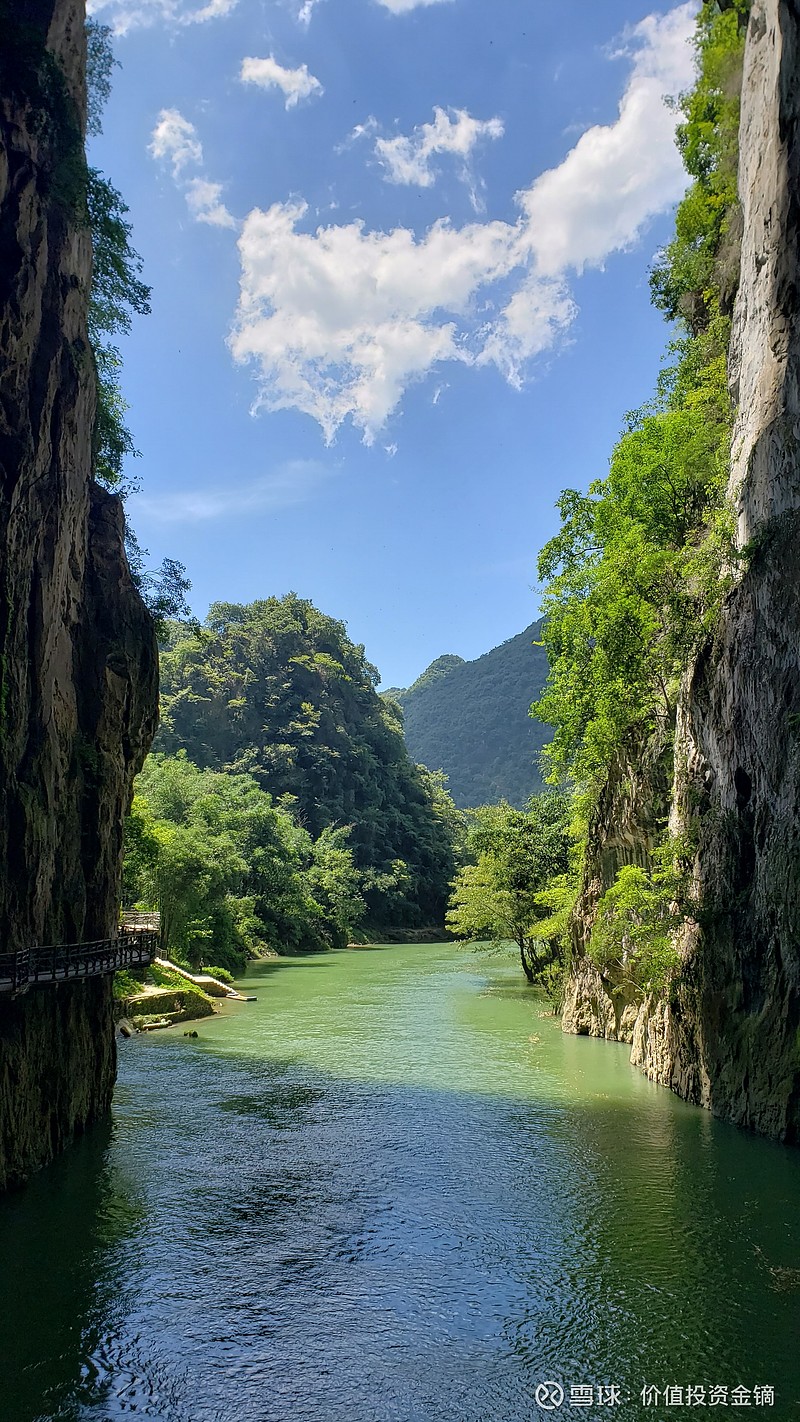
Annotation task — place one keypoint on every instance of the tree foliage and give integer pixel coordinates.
(515, 854)
(278, 691)
(633, 580)
(697, 273)
(116, 295)
(636, 575)
(117, 291)
(640, 912)
(230, 872)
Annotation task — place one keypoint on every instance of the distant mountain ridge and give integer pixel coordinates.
(470, 719)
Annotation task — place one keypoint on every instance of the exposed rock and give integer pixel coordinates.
(730, 1040)
(628, 818)
(588, 1010)
(729, 1037)
(78, 667)
(178, 1004)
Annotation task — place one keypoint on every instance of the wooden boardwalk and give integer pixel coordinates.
(65, 962)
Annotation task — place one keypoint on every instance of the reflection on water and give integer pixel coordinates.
(391, 1189)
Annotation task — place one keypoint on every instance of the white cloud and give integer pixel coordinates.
(295, 84)
(531, 322)
(401, 7)
(291, 483)
(361, 130)
(174, 140)
(409, 159)
(204, 201)
(214, 10)
(339, 321)
(306, 11)
(126, 15)
(618, 175)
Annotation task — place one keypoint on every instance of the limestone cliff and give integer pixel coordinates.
(626, 824)
(78, 666)
(729, 1035)
(731, 1040)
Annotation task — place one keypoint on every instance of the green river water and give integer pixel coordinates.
(391, 1190)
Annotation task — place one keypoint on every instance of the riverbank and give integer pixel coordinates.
(167, 994)
(386, 936)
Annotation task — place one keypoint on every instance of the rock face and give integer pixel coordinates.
(632, 807)
(729, 1037)
(731, 1040)
(78, 662)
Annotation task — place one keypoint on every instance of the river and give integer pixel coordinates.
(391, 1190)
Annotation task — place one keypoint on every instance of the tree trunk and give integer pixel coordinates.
(523, 957)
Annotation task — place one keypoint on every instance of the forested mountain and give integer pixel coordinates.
(470, 719)
(278, 691)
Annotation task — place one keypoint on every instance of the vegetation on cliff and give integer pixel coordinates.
(117, 294)
(277, 696)
(470, 720)
(637, 573)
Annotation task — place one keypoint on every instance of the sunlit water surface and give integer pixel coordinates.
(391, 1189)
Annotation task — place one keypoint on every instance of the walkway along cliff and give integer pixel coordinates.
(727, 1033)
(78, 661)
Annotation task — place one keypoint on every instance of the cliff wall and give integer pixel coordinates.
(730, 1040)
(78, 662)
(728, 1036)
(625, 830)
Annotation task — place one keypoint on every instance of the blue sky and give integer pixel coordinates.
(399, 254)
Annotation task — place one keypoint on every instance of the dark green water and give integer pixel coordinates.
(392, 1191)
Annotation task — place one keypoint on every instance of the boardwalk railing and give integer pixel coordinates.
(64, 962)
(140, 920)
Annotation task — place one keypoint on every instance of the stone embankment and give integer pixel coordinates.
(187, 997)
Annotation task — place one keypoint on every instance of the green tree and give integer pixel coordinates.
(697, 273)
(636, 575)
(231, 872)
(189, 877)
(277, 690)
(334, 884)
(498, 897)
(117, 291)
(633, 581)
(639, 913)
(116, 295)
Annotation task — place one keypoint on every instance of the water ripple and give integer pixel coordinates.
(395, 1194)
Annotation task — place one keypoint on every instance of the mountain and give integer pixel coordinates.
(470, 719)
